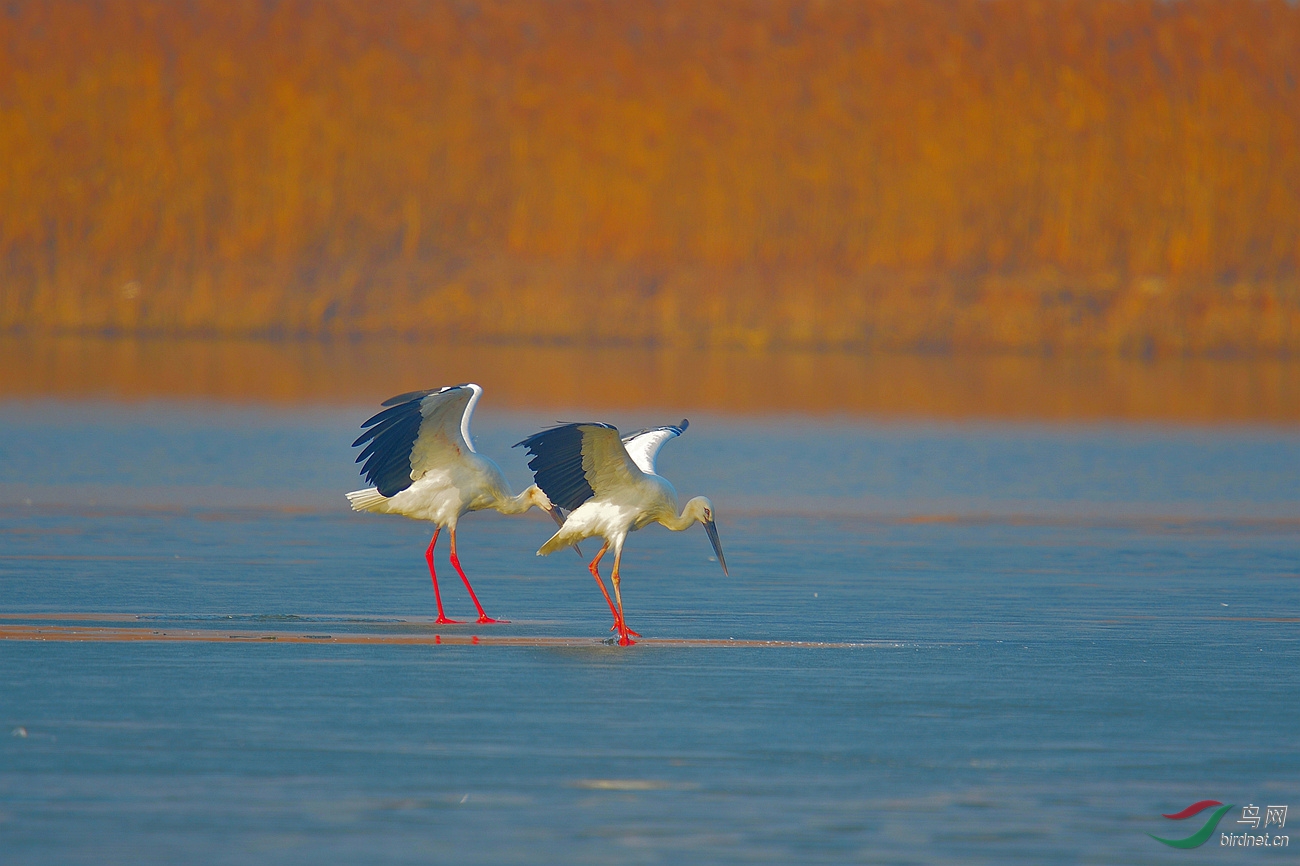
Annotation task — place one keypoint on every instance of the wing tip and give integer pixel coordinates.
(675, 429)
(527, 441)
(410, 396)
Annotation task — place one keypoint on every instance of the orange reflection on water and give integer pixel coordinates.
(737, 382)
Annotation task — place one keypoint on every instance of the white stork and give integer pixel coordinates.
(422, 462)
(609, 486)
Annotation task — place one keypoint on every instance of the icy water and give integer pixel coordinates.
(994, 643)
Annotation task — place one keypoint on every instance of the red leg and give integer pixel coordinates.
(594, 568)
(437, 596)
(623, 631)
(455, 562)
(619, 624)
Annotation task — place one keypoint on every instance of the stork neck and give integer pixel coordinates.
(679, 522)
(515, 504)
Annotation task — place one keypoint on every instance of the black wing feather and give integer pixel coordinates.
(378, 429)
(381, 421)
(393, 431)
(405, 398)
(557, 464)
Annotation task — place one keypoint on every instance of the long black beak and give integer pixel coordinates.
(559, 521)
(712, 529)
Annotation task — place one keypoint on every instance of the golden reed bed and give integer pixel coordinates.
(1113, 176)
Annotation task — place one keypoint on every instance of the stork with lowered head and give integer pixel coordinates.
(609, 486)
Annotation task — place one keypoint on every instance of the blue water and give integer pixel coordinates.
(1064, 632)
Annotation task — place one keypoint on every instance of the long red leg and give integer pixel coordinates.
(618, 626)
(623, 630)
(437, 596)
(455, 562)
(594, 569)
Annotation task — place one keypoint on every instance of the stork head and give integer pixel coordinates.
(534, 495)
(701, 509)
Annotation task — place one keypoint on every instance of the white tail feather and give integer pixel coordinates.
(559, 541)
(369, 499)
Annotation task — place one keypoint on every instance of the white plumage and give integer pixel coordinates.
(422, 461)
(609, 485)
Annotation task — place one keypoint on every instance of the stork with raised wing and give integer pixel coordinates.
(422, 461)
(609, 485)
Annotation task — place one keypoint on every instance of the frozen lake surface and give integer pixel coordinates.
(1056, 634)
